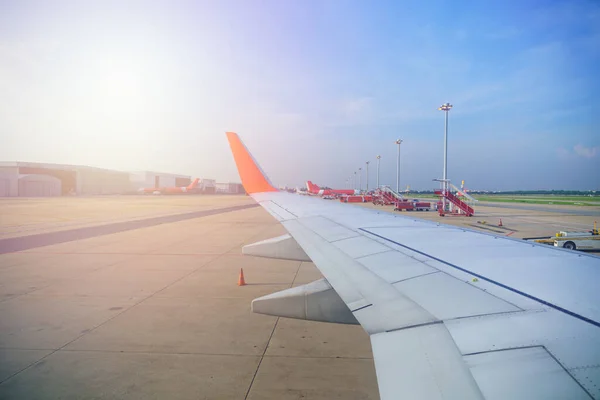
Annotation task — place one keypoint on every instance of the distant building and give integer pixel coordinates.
(148, 179)
(207, 186)
(45, 179)
(27, 179)
(230, 188)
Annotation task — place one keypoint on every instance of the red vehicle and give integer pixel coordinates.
(314, 189)
(170, 190)
(404, 205)
(422, 205)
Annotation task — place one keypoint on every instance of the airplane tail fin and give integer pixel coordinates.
(312, 187)
(253, 178)
(194, 184)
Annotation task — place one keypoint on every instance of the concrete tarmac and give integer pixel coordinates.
(589, 211)
(155, 312)
(145, 308)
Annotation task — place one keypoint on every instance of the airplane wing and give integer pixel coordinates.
(451, 313)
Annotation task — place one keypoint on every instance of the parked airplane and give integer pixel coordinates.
(302, 191)
(170, 190)
(314, 189)
(452, 313)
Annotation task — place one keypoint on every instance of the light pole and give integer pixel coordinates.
(354, 183)
(445, 108)
(367, 176)
(359, 180)
(378, 160)
(398, 142)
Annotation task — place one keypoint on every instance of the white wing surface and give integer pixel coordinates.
(452, 313)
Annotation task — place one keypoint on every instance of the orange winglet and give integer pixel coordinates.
(253, 179)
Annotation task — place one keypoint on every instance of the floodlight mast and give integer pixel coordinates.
(367, 175)
(446, 107)
(359, 180)
(378, 160)
(398, 142)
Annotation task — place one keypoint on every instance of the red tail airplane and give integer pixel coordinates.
(170, 190)
(314, 189)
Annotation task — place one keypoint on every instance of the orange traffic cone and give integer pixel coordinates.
(241, 281)
(500, 224)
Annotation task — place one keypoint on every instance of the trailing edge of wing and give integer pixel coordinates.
(253, 178)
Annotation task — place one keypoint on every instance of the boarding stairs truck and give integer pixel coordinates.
(469, 199)
(385, 195)
(391, 194)
(461, 206)
(457, 206)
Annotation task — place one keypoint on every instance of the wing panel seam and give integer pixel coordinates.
(374, 254)
(280, 206)
(362, 308)
(346, 238)
(475, 353)
(437, 271)
(415, 326)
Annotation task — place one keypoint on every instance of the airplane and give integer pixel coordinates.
(170, 190)
(314, 189)
(302, 191)
(452, 313)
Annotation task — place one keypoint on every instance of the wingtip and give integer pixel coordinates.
(253, 178)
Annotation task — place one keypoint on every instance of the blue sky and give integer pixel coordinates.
(315, 88)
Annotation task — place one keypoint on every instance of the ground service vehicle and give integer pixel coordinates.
(578, 240)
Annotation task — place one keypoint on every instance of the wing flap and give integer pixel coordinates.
(526, 373)
(421, 363)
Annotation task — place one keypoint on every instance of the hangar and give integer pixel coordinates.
(44, 179)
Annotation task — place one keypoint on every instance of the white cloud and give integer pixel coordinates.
(587, 152)
(578, 151)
